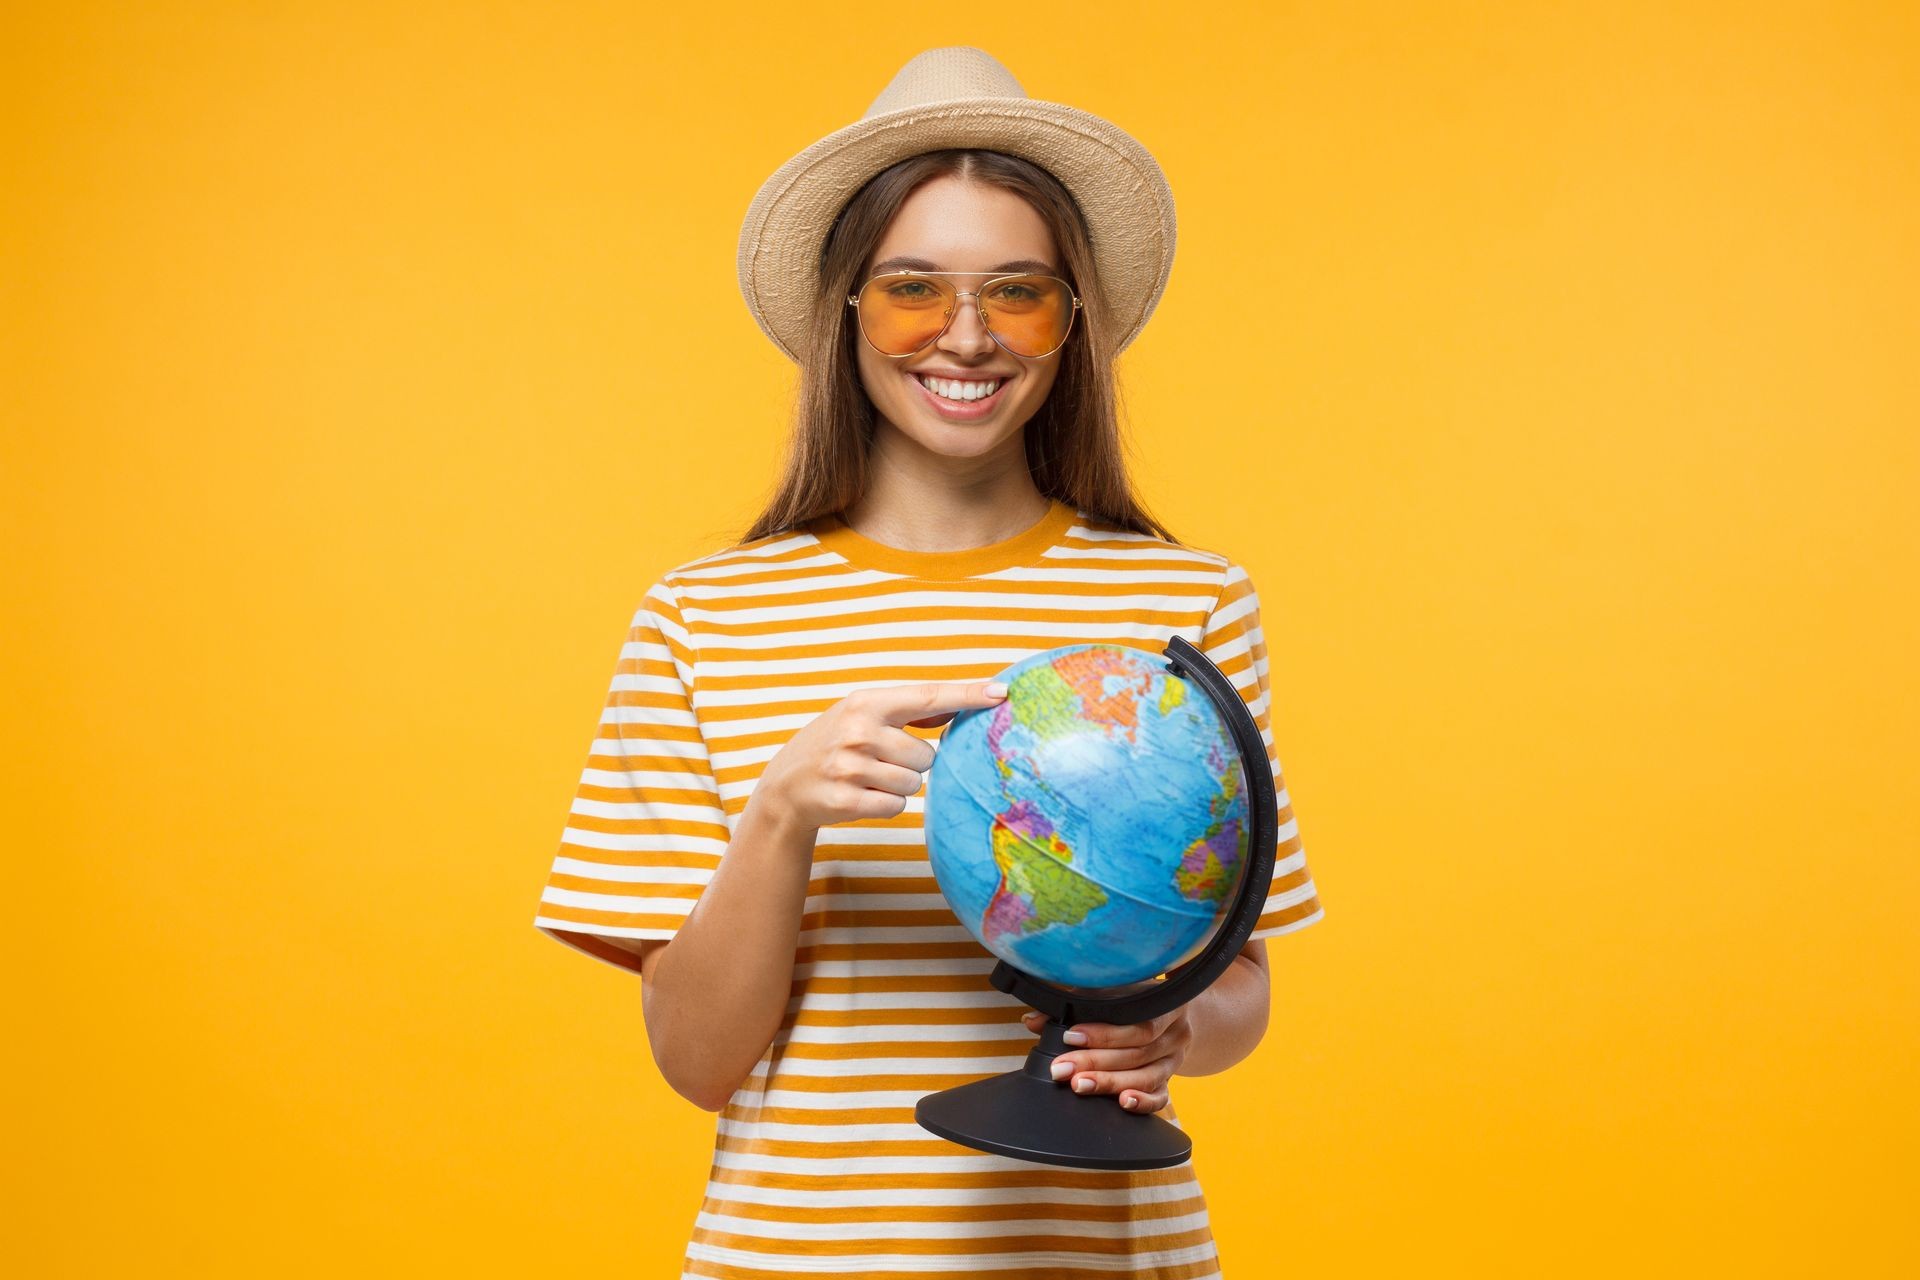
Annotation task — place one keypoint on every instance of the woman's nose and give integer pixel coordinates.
(967, 334)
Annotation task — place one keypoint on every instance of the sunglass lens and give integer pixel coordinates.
(1030, 315)
(900, 316)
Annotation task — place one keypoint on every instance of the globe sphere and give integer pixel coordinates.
(1092, 829)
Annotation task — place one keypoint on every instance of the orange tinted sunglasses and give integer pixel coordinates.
(900, 312)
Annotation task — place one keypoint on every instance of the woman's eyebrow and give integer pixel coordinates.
(921, 264)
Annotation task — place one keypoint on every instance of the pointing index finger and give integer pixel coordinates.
(935, 702)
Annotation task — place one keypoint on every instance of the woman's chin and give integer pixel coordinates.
(953, 439)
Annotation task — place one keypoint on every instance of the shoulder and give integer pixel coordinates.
(1096, 529)
(713, 574)
(1197, 564)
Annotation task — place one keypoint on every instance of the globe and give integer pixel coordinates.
(1091, 829)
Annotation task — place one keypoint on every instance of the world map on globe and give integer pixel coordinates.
(1090, 829)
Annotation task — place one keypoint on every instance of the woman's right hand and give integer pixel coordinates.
(856, 760)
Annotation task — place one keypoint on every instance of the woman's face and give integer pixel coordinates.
(950, 225)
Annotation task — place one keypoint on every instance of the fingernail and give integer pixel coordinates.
(1083, 1084)
(1061, 1067)
(997, 689)
(1127, 1102)
(1075, 1037)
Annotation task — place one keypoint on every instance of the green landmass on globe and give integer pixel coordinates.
(1036, 889)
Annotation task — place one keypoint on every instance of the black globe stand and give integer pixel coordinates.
(1029, 1115)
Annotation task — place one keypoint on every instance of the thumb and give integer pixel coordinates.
(970, 697)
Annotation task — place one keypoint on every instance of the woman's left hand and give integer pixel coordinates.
(1134, 1060)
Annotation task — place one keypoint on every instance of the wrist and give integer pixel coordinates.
(767, 820)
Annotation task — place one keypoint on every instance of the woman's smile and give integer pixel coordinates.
(959, 399)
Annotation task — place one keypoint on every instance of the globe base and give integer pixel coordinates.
(1028, 1115)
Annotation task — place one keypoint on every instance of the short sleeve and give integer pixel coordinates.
(647, 827)
(1234, 642)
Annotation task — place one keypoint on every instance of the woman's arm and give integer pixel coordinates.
(714, 995)
(1230, 1016)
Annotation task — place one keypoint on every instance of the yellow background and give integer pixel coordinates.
(1551, 368)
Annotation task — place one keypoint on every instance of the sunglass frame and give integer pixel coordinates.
(853, 300)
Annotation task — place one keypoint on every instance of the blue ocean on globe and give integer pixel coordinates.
(1091, 829)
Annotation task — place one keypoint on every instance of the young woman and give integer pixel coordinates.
(747, 834)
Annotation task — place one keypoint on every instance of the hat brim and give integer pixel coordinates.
(1116, 182)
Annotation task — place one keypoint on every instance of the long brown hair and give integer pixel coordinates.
(1073, 440)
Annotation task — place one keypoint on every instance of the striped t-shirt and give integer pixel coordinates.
(819, 1167)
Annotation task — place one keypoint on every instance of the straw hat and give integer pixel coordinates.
(959, 96)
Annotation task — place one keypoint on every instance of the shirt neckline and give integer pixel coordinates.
(839, 537)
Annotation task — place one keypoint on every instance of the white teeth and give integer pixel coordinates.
(952, 389)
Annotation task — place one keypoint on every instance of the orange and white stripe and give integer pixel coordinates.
(818, 1165)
